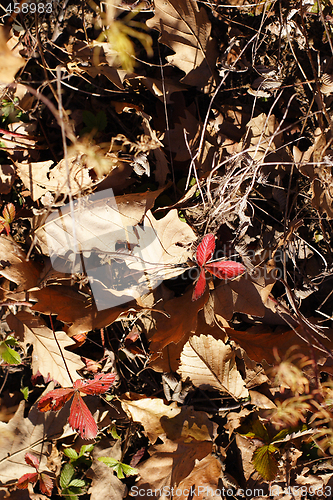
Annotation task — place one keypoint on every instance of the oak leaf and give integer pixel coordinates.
(185, 28)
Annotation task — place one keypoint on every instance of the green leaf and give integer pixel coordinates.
(10, 340)
(86, 448)
(69, 494)
(265, 463)
(110, 462)
(10, 356)
(66, 475)
(114, 433)
(71, 453)
(77, 483)
(128, 470)
(101, 121)
(119, 467)
(25, 392)
(88, 118)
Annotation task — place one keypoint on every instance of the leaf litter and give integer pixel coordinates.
(177, 138)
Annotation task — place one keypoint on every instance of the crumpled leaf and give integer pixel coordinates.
(186, 30)
(149, 411)
(211, 364)
(46, 357)
(169, 464)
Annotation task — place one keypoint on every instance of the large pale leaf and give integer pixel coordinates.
(46, 357)
(33, 433)
(185, 28)
(211, 364)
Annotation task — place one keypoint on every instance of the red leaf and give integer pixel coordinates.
(31, 460)
(200, 287)
(101, 383)
(54, 400)
(23, 482)
(206, 249)
(45, 484)
(81, 420)
(225, 269)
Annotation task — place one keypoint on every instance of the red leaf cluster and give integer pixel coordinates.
(80, 417)
(45, 481)
(226, 269)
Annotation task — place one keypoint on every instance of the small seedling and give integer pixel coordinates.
(121, 469)
(7, 353)
(70, 487)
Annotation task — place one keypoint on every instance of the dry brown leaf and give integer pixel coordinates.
(169, 464)
(46, 357)
(15, 267)
(39, 178)
(235, 420)
(205, 475)
(149, 412)
(105, 484)
(181, 320)
(21, 435)
(246, 448)
(239, 295)
(188, 425)
(312, 164)
(259, 346)
(10, 63)
(185, 28)
(211, 364)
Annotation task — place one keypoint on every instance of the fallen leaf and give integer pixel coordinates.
(149, 413)
(240, 295)
(188, 425)
(19, 435)
(14, 265)
(211, 364)
(46, 357)
(105, 484)
(203, 479)
(168, 465)
(185, 28)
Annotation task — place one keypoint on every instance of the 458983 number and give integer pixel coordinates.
(29, 8)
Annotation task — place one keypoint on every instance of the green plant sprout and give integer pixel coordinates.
(93, 124)
(121, 469)
(8, 354)
(70, 487)
(81, 457)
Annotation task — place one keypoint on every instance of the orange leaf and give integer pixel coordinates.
(55, 400)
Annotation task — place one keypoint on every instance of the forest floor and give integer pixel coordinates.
(166, 249)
